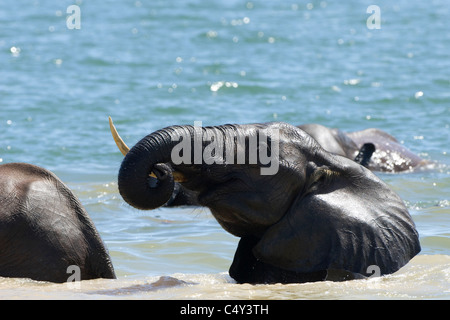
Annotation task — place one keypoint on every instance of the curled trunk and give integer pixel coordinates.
(150, 155)
(146, 178)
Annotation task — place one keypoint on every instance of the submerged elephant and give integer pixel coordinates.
(44, 230)
(318, 215)
(386, 153)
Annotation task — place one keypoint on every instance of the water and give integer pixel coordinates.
(150, 64)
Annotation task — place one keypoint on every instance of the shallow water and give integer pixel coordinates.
(425, 277)
(154, 64)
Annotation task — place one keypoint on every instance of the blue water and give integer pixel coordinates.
(150, 64)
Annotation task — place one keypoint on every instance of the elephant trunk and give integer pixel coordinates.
(189, 145)
(148, 158)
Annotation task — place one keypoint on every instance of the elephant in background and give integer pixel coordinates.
(44, 229)
(373, 148)
(319, 215)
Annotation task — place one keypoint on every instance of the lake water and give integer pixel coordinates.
(150, 64)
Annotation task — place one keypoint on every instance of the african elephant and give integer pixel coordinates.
(44, 229)
(382, 152)
(317, 215)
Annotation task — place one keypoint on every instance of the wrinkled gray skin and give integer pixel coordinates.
(389, 154)
(44, 229)
(372, 148)
(321, 215)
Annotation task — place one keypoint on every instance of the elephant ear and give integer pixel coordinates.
(347, 219)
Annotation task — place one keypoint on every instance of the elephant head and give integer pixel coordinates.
(373, 148)
(302, 213)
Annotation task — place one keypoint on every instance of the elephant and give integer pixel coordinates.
(380, 150)
(372, 148)
(317, 216)
(45, 233)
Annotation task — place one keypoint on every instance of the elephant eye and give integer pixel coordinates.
(320, 177)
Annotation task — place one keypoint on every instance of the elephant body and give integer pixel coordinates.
(320, 213)
(44, 229)
(389, 154)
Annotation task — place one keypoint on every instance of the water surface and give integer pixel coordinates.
(150, 64)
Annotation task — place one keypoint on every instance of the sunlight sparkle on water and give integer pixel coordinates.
(15, 51)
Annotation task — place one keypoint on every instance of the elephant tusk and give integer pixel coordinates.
(119, 142)
(177, 176)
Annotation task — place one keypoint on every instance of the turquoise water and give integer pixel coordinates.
(150, 64)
